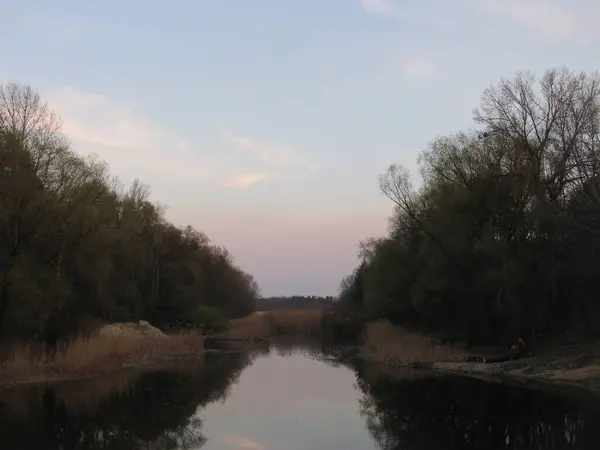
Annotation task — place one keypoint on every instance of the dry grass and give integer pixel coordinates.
(389, 343)
(253, 326)
(86, 356)
(265, 324)
(306, 322)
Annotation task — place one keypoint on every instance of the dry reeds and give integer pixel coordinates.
(84, 356)
(389, 343)
(254, 326)
(264, 324)
(305, 322)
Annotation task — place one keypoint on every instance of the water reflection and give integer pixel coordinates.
(291, 396)
(415, 412)
(146, 411)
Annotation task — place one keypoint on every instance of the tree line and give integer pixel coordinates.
(294, 302)
(76, 247)
(502, 236)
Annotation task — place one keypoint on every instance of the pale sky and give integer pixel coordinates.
(265, 123)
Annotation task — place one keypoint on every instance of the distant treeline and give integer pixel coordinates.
(294, 302)
(503, 237)
(76, 247)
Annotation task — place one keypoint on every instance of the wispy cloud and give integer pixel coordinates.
(419, 67)
(574, 20)
(380, 7)
(547, 17)
(435, 16)
(278, 162)
(130, 142)
(95, 119)
(242, 443)
(265, 152)
(136, 146)
(244, 180)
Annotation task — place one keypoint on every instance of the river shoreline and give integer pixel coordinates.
(168, 363)
(569, 369)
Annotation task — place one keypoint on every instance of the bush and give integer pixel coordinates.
(209, 320)
(341, 326)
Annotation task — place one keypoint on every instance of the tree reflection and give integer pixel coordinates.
(151, 411)
(418, 413)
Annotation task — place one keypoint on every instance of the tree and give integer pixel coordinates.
(76, 248)
(498, 242)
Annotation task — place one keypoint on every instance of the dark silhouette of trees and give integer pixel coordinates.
(294, 302)
(500, 238)
(77, 248)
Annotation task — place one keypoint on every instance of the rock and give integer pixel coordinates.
(129, 329)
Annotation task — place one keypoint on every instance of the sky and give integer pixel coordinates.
(265, 123)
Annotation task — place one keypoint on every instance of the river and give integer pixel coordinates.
(291, 398)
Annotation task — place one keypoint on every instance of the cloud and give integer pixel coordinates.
(128, 141)
(95, 119)
(265, 152)
(280, 163)
(380, 7)
(242, 443)
(572, 20)
(437, 16)
(244, 180)
(419, 67)
(546, 17)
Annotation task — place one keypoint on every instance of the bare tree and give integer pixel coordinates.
(368, 247)
(397, 186)
(556, 124)
(23, 114)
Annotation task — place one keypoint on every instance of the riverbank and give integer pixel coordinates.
(574, 366)
(88, 357)
(263, 325)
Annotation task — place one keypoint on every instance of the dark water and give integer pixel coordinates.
(291, 399)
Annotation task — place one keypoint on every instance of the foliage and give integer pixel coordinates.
(76, 247)
(500, 238)
(281, 322)
(210, 319)
(293, 302)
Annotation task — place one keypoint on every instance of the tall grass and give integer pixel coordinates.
(84, 356)
(265, 324)
(305, 322)
(254, 326)
(389, 343)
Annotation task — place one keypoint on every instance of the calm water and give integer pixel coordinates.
(291, 399)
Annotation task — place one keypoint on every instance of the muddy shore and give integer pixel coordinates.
(569, 369)
(574, 368)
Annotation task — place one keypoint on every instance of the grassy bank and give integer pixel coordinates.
(266, 324)
(574, 367)
(84, 357)
(388, 343)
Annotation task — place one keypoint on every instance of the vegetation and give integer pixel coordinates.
(262, 325)
(390, 343)
(500, 240)
(77, 248)
(85, 356)
(294, 302)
